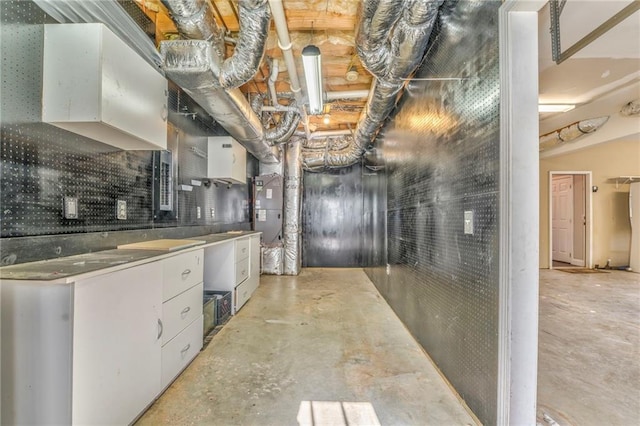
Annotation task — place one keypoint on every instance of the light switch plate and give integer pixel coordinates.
(468, 222)
(70, 207)
(121, 210)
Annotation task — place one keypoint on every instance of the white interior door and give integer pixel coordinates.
(562, 218)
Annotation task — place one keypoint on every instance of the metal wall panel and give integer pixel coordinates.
(40, 164)
(441, 151)
(332, 218)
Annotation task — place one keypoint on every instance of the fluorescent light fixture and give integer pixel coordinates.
(555, 107)
(312, 64)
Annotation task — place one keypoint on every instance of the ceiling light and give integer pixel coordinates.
(352, 73)
(312, 64)
(326, 119)
(555, 107)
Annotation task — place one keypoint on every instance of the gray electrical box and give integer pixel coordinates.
(268, 194)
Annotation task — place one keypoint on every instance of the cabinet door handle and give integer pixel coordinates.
(160, 329)
(185, 273)
(185, 349)
(185, 311)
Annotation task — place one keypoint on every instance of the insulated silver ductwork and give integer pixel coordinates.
(292, 208)
(288, 122)
(195, 21)
(199, 68)
(188, 63)
(391, 41)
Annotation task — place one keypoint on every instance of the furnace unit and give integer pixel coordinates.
(267, 195)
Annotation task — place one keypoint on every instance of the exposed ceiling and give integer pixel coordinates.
(329, 24)
(607, 65)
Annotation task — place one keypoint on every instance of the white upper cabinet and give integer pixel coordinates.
(95, 85)
(227, 160)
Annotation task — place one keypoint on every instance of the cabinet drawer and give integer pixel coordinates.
(181, 350)
(180, 273)
(242, 270)
(180, 311)
(242, 249)
(243, 293)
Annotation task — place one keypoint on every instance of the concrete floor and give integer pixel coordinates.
(326, 335)
(589, 348)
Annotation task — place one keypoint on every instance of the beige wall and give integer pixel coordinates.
(611, 228)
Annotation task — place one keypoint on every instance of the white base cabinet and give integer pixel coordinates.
(99, 350)
(234, 266)
(116, 345)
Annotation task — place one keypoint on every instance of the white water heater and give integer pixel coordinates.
(634, 216)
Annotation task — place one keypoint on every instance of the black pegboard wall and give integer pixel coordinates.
(41, 164)
(442, 158)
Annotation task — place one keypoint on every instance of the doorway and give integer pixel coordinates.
(570, 219)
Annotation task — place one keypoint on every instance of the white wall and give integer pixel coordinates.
(611, 226)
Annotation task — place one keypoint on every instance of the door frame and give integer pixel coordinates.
(519, 213)
(588, 213)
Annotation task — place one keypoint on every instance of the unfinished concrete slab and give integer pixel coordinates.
(323, 345)
(589, 348)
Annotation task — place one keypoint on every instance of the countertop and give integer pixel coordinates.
(67, 269)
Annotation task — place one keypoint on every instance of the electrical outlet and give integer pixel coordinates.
(468, 222)
(198, 212)
(213, 213)
(121, 210)
(70, 207)
(388, 269)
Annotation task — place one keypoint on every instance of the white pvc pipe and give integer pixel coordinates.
(346, 94)
(284, 42)
(327, 133)
(278, 108)
(271, 83)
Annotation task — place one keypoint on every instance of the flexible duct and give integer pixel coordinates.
(272, 261)
(391, 41)
(195, 21)
(189, 64)
(292, 208)
(199, 68)
(288, 122)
